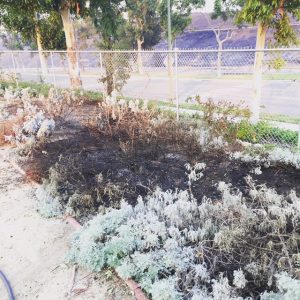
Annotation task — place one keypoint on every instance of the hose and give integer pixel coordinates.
(8, 286)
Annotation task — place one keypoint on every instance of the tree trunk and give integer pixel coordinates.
(74, 71)
(42, 56)
(219, 60)
(258, 64)
(139, 56)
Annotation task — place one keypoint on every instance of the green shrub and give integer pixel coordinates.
(40, 88)
(264, 132)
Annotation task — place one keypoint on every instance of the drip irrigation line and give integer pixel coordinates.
(8, 286)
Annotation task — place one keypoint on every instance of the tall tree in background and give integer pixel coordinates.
(107, 16)
(226, 9)
(142, 17)
(269, 14)
(222, 34)
(180, 14)
(266, 14)
(30, 20)
(67, 9)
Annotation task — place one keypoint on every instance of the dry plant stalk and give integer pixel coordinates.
(60, 105)
(7, 127)
(126, 122)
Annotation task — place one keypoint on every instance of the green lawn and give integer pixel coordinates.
(280, 118)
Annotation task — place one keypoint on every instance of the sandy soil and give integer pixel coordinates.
(32, 249)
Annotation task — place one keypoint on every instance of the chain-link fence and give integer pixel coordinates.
(270, 88)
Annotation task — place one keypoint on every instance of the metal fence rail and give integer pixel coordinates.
(180, 75)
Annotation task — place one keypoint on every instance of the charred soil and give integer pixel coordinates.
(101, 167)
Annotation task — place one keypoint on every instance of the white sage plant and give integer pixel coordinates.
(271, 157)
(194, 173)
(174, 247)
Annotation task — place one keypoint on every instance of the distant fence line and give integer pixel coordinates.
(175, 75)
(174, 67)
(241, 61)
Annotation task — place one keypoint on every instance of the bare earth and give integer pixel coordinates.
(32, 250)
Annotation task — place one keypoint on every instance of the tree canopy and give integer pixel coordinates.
(77, 7)
(143, 21)
(274, 14)
(24, 16)
(270, 14)
(180, 14)
(108, 20)
(122, 23)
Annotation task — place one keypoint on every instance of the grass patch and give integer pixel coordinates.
(41, 88)
(228, 76)
(92, 96)
(280, 118)
(263, 132)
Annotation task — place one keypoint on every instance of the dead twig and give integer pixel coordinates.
(72, 282)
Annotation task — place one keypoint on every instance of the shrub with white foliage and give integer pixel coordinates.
(11, 94)
(239, 279)
(47, 205)
(164, 289)
(30, 123)
(257, 170)
(60, 104)
(288, 289)
(195, 171)
(35, 128)
(270, 157)
(176, 248)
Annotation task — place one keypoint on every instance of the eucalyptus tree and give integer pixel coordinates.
(109, 21)
(31, 20)
(68, 9)
(180, 14)
(265, 14)
(269, 14)
(143, 18)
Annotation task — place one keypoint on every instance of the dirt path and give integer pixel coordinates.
(32, 249)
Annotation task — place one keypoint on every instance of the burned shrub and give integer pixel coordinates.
(126, 121)
(60, 104)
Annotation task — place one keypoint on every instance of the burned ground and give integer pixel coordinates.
(89, 163)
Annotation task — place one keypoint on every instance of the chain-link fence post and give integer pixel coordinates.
(176, 83)
(53, 72)
(299, 137)
(257, 85)
(170, 75)
(101, 62)
(14, 66)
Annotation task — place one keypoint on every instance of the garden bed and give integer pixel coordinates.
(182, 208)
(79, 158)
